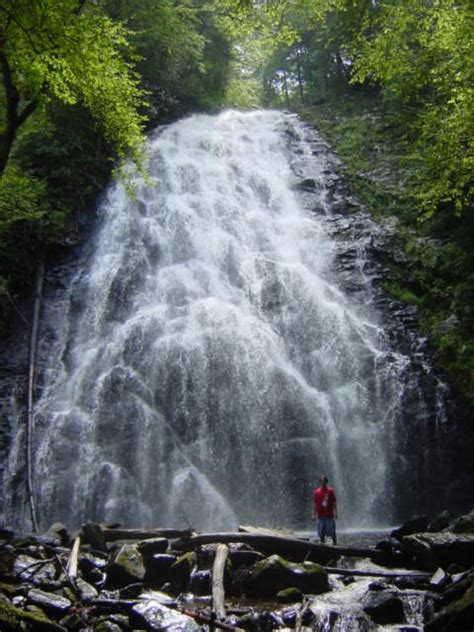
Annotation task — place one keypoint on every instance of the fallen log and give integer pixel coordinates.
(205, 619)
(112, 534)
(218, 605)
(362, 573)
(290, 548)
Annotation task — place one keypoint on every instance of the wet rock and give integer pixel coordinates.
(92, 534)
(464, 524)
(52, 604)
(181, 570)
(37, 572)
(127, 567)
(200, 582)
(59, 531)
(158, 569)
(13, 618)
(439, 579)
(158, 617)
(7, 560)
(440, 522)
(92, 568)
(384, 607)
(415, 525)
(107, 626)
(85, 590)
(458, 616)
(274, 573)
(431, 550)
(152, 546)
(241, 558)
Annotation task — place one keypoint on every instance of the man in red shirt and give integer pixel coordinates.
(325, 509)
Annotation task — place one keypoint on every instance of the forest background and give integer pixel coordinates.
(390, 84)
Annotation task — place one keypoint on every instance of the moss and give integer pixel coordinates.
(402, 294)
(13, 619)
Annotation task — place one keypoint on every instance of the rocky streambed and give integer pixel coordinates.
(105, 578)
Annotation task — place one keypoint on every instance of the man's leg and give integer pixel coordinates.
(321, 530)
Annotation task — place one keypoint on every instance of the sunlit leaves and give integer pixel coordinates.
(73, 52)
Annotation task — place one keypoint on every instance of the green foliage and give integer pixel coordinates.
(73, 52)
(402, 294)
(22, 198)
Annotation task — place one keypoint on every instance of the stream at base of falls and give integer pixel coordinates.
(221, 340)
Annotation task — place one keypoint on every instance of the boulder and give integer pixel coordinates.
(30, 569)
(159, 617)
(384, 607)
(158, 569)
(440, 522)
(464, 524)
(92, 534)
(152, 546)
(12, 618)
(85, 590)
(289, 595)
(126, 568)
(430, 550)
(274, 574)
(458, 616)
(415, 525)
(180, 571)
(59, 531)
(244, 557)
(51, 603)
(200, 582)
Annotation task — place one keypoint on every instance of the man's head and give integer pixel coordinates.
(323, 479)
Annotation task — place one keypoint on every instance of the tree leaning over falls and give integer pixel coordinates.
(70, 51)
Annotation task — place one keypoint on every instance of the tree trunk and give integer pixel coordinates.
(14, 118)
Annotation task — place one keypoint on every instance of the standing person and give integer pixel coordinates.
(325, 509)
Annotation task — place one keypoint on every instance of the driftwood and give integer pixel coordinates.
(361, 573)
(30, 392)
(291, 548)
(218, 568)
(111, 534)
(210, 621)
(71, 567)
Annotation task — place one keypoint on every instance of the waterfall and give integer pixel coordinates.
(205, 363)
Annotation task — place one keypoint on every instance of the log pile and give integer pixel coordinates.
(106, 578)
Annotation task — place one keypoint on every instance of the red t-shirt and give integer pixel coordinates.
(324, 500)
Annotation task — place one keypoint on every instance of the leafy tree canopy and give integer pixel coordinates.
(71, 51)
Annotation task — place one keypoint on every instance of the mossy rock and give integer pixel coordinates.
(127, 567)
(270, 576)
(457, 616)
(14, 619)
(464, 524)
(289, 595)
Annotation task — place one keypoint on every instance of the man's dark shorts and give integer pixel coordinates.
(326, 528)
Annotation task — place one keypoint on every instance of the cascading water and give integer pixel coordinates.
(206, 363)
